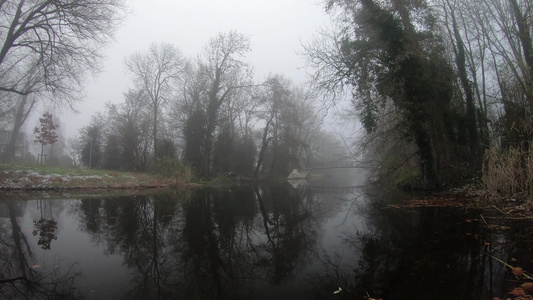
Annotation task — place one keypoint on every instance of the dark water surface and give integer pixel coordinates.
(265, 242)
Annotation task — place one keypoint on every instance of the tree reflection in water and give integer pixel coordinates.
(19, 277)
(139, 229)
(420, 253)
(269, 242)
(204, 244)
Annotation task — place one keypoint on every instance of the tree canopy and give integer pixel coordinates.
(419, 73)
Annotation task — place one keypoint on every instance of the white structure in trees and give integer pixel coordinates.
(297, 174)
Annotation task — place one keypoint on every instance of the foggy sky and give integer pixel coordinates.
(277, 29)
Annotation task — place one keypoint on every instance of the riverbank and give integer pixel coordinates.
(42, 178)
(36, 178)
(471, 197)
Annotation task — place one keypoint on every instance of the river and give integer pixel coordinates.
(317, 241)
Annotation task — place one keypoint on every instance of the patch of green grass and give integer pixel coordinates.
(220, 181)
(53, 170)
(28, 177)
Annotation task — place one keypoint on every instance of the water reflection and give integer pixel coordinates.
(21, 275)
(252, 242)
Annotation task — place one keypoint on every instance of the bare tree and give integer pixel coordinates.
(156, 72)
(57, 40)
(73, 149)
(291, 124)
(469, 43)
(7, 108)
(48, 46)
(510, 42)
(224, 71)
(130, 121)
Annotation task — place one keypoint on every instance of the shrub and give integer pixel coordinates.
(172, 167)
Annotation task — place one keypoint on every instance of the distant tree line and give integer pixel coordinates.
(435, 83)
(207, 113)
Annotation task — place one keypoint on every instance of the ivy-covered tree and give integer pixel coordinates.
(390, 54)
(224, 72)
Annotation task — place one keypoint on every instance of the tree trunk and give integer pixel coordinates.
(471, 123)
(155, 129)
(42, 150)
(425, 153)
(20, 118)
(525, 39)
(264, 146)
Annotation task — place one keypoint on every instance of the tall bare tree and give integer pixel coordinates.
(291, 124)
(60, 39)
(469, 43)
(156, 72)
(510, 44)
(224, 71)
(131, 122)
(48, 46)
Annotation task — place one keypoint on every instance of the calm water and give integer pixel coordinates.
(265, 242)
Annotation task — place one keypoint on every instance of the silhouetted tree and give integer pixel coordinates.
(156, 73)
(166, 149)
(92, 137)
(223, 72)
(291, 125)
(130, 121)
(194, 134)
(223, 150)
(387, 51)
(112, 155)
(48, 47)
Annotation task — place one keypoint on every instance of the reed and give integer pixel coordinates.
(509, 173)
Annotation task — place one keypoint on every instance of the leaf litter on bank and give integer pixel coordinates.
(431, 201)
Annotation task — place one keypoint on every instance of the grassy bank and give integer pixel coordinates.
(14, 177)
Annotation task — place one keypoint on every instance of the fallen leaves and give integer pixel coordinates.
(432, 202)
(518, 291)
(523, 291)
(527, 286)
(517, 271)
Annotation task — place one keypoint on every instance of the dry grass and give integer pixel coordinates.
(509, 174)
